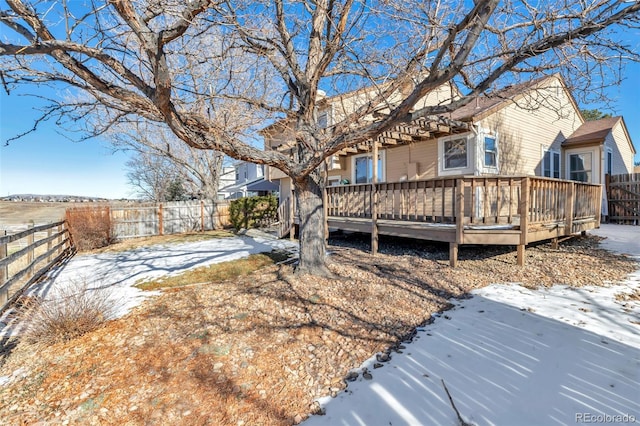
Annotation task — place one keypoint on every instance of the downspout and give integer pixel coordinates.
(475, 128)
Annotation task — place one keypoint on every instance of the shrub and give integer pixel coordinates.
(74, 310)
(90, 227)
(253, 212)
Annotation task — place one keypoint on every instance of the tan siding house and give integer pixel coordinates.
(530, 129)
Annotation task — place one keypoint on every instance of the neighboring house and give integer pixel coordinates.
(530, 129)
(227, 179)
(248, 180)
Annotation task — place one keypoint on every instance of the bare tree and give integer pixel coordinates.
(154, 177)
(198, 170)
(215, 71)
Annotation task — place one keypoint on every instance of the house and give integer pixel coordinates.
(247, 180)
(533, 129)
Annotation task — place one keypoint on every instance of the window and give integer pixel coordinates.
(551, 164)
(334, 163)
(333, 180)
(580, 167)
(490, 152)
(609, 161)
(323, 119)
(455, 154)
(363, 168)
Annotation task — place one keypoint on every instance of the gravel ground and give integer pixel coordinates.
(260, 349)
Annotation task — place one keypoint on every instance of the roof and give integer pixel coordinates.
(263, 185)
(258, 184)
(487, 104)
(592, 131)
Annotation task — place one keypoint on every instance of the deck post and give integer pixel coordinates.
(524, 219)
(459, 216)
(459, 211)
(453, 254)
(599, 208)
(374, 198)
(292, 218)
(325, 209)
(570, 209)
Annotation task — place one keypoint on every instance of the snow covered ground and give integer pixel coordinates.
(116, 273)
(512, 356)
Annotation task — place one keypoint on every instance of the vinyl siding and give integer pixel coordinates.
(424, 154)
(621, 146)
(524, 133)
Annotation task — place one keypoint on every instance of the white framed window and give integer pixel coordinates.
(456, 154)
(333, 180)
(609, 165)
(551, 163)
(362, 166)
(581, 167)
(324, 118)
(334, 162)
(490, 151)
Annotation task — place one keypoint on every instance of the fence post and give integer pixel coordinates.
(59, 240)
(160, 221)
(4, 272)
(30, 253)
(49, 244)
(202, 215)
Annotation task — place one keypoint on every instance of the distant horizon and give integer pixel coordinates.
(48, 161)
(34, 195)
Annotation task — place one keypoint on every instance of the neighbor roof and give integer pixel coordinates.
(592, 131)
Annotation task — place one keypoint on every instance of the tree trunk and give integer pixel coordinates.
(312, 242)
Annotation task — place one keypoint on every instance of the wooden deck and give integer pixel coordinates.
(467, 210)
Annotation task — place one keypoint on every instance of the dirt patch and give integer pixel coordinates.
(259, 349)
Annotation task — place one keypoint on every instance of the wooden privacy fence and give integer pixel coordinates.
(143, 220)
(623, 196)
(21, 266)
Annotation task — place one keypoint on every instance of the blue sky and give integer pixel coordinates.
(46, 162)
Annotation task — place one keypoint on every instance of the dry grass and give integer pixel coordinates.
(75, 311)
(19, 213)
(258, 349)
(218, 272)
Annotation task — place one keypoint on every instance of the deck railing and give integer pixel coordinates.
(533, 205)
(487, 200)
